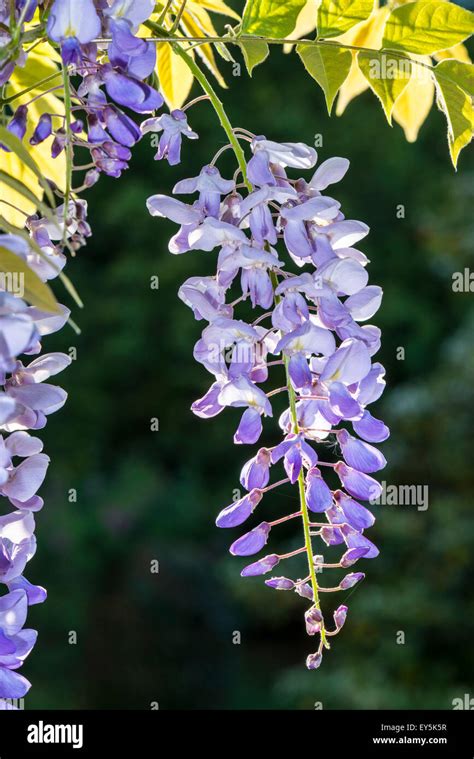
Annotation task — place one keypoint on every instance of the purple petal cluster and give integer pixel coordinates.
(109, 83)
(27, 397)
(108, 93)
(285, 249)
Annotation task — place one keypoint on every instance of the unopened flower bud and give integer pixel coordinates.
(304, 590)
(43, 129)
(238, 512)
(352, 555)
(91, 177)
(261, 567)
(313, 661)
(252, 542)
(280, 583)
(314, 619)
(351, 579)
(340, 616)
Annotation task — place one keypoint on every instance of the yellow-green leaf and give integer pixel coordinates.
(387, 77)
(16, 146)
(369, 34)
(427, 26)
(11, 229)
(14, 207)
(254, 52)
(458, 51)
(461, 74)
(414, 104)
(200, 25)
(21, 189)
(174, 76)
(271, 18)
(33, 165)
(36, 291)
(338, 16)
(329, 65)
(458, 109)
(217, 6)
(305, 24)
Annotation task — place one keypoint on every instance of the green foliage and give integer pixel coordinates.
(255, 52)
(427, 26)
(12, 142)
(460, 74)
(329, 65)
(18, 186)
(271, 18)
(387, 77)
(457, 106)
(338, 16)
(422, 28)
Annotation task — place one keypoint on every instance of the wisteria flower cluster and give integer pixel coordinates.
(26, 400)
(102, 84)
(314, 328)
(112, 80)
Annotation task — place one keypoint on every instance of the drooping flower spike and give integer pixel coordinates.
(109, 95)
(26, 400)
(313, 332)
(313, 320)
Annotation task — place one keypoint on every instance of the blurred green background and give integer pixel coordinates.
(144, 496)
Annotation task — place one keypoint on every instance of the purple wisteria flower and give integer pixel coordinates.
(73, 23)
(313, 330)
(110, 84)
(26, 399)
(174, 126)
(15, 644)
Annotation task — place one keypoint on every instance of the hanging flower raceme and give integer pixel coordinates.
(102, 86)
(313, 332)
(26, 399)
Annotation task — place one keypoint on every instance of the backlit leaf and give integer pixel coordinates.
(338, 16)
(254, 52)
(461, 74)
(328, 65)
(427, 26)
(458, 51)
(387, 76)
(198, 24)
(174, 76)
(458, 109)
(305, 24)
(271, 18)
(414, 104)
(367, 34)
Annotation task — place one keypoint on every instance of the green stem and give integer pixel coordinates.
(219, 109)
(304, 508)
(165, 12)
(179, 16)
(302, 489)
(165, 37)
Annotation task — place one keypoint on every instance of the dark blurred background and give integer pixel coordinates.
(142, 496)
